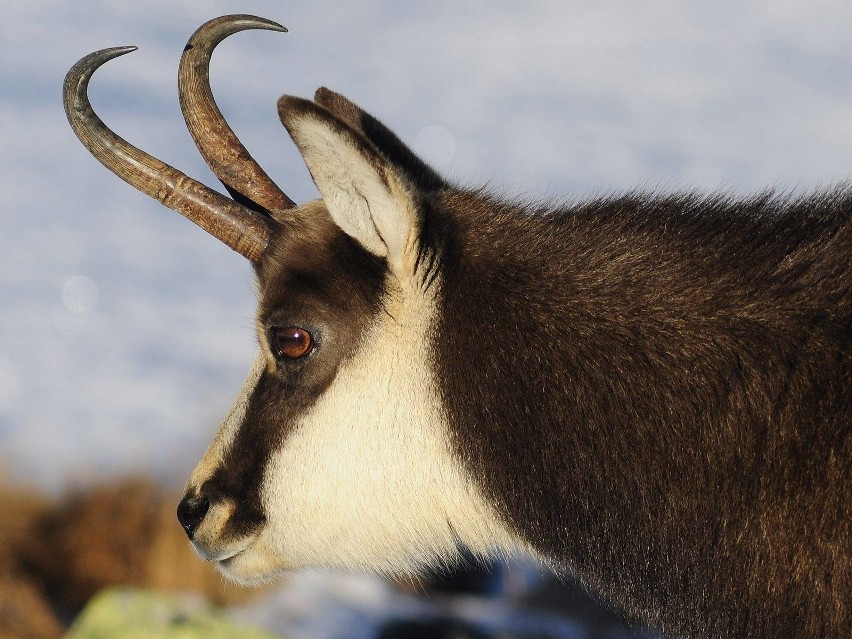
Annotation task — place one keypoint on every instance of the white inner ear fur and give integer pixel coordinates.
(380, 215)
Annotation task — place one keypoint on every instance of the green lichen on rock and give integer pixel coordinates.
(143, 614)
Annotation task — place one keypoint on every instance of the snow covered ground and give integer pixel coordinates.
(124, 330)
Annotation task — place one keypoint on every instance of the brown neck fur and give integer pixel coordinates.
(656, 393)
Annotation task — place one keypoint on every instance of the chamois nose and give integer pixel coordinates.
(191, 511)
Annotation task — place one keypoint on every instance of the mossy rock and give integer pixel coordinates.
(144, 614)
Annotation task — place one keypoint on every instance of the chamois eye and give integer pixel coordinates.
(290, 342)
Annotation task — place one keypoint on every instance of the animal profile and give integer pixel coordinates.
(650, 390)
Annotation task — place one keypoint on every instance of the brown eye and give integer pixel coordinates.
(290, 342)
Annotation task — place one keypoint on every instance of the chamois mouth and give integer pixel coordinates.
(225, 563)
(224, 552)
(252, 565)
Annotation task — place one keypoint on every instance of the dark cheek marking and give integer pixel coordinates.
(272, 412)
(241, 476)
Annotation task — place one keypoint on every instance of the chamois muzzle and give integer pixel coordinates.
(243, 225)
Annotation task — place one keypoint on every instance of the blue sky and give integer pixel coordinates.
(125, 331)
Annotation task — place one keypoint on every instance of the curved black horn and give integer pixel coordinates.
(240, 228)
(245, 180)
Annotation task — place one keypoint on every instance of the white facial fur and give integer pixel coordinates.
(368, 479)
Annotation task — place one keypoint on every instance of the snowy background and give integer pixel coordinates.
(125, 331)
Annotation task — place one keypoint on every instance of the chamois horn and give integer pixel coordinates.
(244, 230)
(245, 180)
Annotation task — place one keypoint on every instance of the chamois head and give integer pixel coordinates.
(336, 450)
(650, 389)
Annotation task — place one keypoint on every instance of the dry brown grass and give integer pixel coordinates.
(24, 608)
(55, 555)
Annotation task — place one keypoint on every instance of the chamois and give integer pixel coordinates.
(652, 391)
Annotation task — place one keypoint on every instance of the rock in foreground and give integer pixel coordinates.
(142, 614)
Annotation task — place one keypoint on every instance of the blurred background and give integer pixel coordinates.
(125, 331)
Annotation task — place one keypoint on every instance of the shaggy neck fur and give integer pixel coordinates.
(673, 375)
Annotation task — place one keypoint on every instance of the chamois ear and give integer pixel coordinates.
(423, 176)
(368, 197)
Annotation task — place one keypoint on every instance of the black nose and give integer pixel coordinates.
(191, 511)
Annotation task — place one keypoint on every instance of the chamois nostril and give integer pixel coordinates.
(191, 512)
